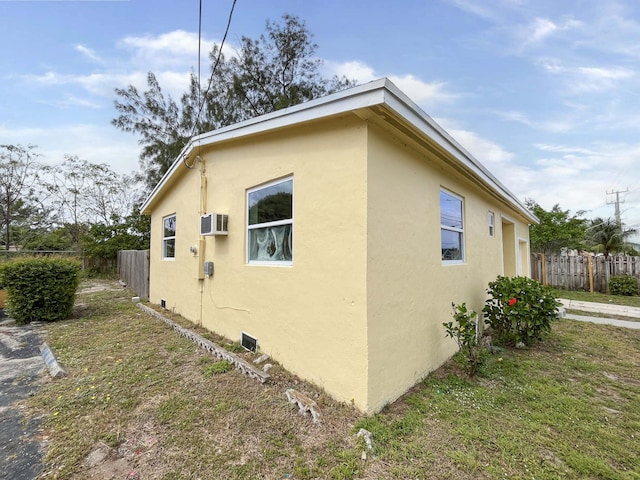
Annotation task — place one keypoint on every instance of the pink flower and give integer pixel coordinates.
(512, 302)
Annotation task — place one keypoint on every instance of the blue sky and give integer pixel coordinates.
(545, 93)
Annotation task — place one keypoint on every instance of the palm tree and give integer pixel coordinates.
(607, 236)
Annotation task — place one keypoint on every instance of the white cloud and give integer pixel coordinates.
(418, 90)
(173, 50)
(490, 154)
(479, 9)
(598, 79)
(72, 101)
(177, 42)
(171, 56)
(557, 125)
(173, 83)
(585, 79)
(604, 74)
(97, 144)
(513, 116)
(88, 53)
(542, 28)
(100, 84)
(358, 71)
(564, 149)
(422, 92)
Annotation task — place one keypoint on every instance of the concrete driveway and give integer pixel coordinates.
(21, 371)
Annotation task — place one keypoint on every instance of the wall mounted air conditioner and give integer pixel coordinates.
(214, 224)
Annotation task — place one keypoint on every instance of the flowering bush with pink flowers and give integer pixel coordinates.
(520, 310)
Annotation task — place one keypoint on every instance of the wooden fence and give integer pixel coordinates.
(133, 269)
(582, 272)
(90, 264)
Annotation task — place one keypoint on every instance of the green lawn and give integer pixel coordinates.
(566, 408)
(633, 301)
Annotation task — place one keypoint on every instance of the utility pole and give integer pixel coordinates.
(617, 203)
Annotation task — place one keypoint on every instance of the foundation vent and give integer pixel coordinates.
(249, 343)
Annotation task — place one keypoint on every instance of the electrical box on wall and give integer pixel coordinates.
(214, 224)
(208, 268)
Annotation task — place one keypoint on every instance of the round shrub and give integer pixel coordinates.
(623, 285)
(40, 288)
(519, 310)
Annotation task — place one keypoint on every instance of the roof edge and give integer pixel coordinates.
(361, 96)
(378, 92)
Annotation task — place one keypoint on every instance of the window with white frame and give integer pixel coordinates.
(169, 237)
(270, 223)
(451, 227)
(491, 218)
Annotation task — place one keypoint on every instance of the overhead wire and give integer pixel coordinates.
(213, 69)
(202, 98)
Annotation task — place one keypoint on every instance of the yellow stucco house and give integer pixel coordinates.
(334, 235)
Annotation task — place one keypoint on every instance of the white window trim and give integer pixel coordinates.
(491, 218)
(164, 239)
(454, 229)
(269, 263)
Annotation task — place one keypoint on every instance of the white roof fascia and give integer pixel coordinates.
(407, 109)
(359, 97)
(377, 92)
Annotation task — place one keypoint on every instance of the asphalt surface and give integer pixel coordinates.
(21, 371)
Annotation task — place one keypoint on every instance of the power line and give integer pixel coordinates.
(196, 124)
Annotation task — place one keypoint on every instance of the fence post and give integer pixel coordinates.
(590, 260)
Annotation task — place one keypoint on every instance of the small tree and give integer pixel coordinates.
(17, 176)
(607, 236)
(557, 229)
(277, 70)
(465, 333)
(131, 233)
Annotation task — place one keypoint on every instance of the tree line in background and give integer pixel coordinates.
(75, 205)
(80, 205)
(559, 229)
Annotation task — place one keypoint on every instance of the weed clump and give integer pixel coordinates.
(215, 368)
(464, 332)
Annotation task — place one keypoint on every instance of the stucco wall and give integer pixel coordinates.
(310, 316)
(360, 311)
(410, 290)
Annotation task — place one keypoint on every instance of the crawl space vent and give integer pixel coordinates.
(249, 342)
(163, 303)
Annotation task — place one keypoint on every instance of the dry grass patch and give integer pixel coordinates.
(171, 411)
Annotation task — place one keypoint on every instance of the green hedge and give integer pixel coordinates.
(40, 289)
(623, 285)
